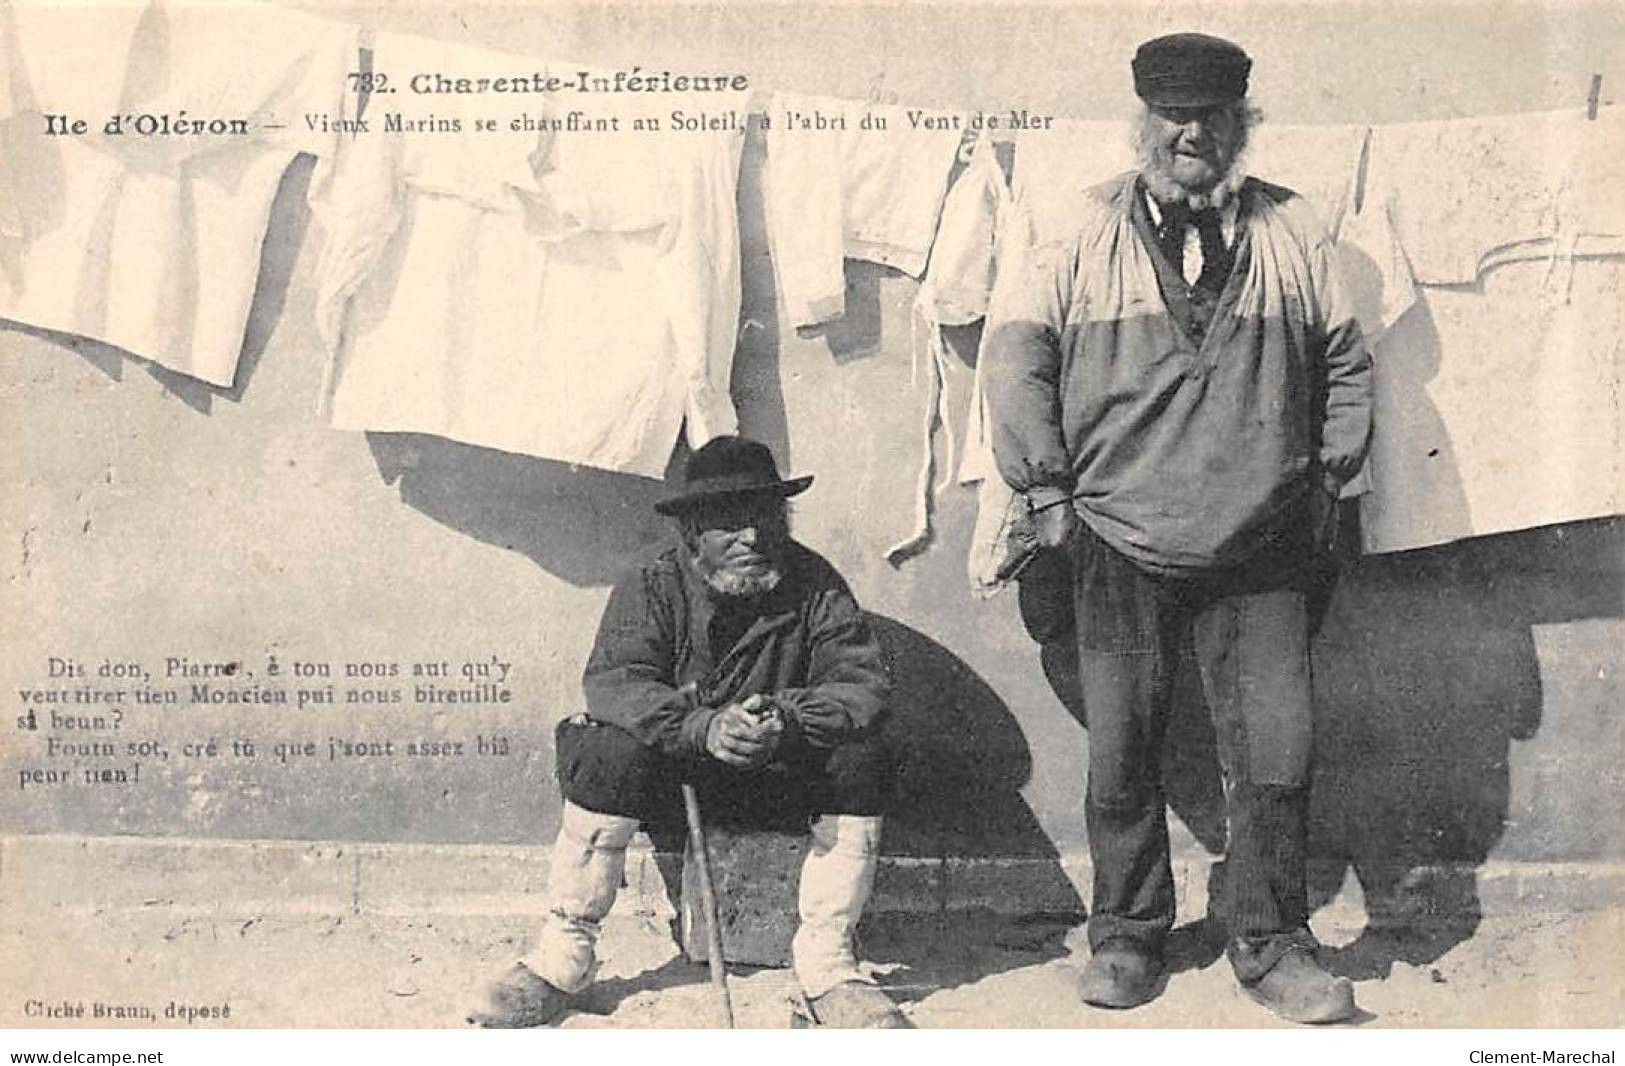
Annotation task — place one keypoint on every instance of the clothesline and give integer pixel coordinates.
(641, 332)
(971, 136)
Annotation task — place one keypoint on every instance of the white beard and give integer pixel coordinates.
(1167, 190)
(732, 583)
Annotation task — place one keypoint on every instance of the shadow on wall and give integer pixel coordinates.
(580, 524)
(859, 332)
(757, 392)
(963, 761)
(1425, 676)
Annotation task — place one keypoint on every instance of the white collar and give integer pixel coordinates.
(1227, 214)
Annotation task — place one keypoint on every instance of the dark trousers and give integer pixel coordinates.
(605, 769)
(1249, 630)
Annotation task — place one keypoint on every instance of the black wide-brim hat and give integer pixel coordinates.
(729, 466)
(1190, 70)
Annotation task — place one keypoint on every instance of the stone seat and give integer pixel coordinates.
(755, 873)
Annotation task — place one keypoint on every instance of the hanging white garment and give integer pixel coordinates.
(1460, 190)
(568, 295)
(142, 232)
(957, 285)
(997, 505)
(1319, 163)
(845, 179)
(955, 292)
(1056, 167)
(1494, 392)
(1496, 406)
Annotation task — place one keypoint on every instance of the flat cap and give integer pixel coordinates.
(1190, 70)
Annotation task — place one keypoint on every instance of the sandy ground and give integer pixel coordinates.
(960, 969)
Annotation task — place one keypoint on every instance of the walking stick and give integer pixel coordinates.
(708, 899)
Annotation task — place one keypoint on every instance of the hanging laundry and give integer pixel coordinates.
(954, 292)
(980, 226)
(144, 231)
(567, 293)
(1494, 403)
(959, 281)
(1496, 406)
(1056, 167)
(1459, 190)
(1376, 275)
(845, 179)
(1319, 163)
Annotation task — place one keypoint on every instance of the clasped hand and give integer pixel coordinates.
(746, 734)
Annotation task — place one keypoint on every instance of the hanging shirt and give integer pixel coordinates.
(1321, 163)
(1494, 399)
(1496, 407)
(1013, 243)
(845, 179)
(142, 232)
(957, 285)
(567, 294)
(1460, 190)
(955, 292)
(1055, 168)
(658, 671)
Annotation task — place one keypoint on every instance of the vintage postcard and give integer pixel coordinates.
(979, 515)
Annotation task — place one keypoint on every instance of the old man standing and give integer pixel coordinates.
(1180, 391)
(736, 660)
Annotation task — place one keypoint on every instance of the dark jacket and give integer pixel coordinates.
(805, 644)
